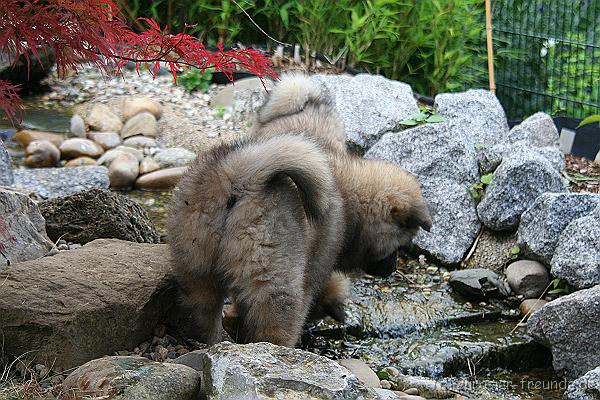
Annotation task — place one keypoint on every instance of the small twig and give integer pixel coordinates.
(472, 250)
(259, 28)
(526, 316)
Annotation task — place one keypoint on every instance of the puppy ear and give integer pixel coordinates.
(411, 215)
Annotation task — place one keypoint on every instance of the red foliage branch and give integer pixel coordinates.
(94, 31)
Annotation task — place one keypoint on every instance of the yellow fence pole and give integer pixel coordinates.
(490, 46)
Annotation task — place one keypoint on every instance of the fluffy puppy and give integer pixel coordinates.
(261, 222)
(383, 203)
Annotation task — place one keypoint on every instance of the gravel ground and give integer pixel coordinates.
(583, 174)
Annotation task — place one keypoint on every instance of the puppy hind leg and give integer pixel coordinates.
(206, 299)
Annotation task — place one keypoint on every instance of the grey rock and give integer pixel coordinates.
(143, 123)
(528, 278)
(517, 183)
(586, 387)
(431, 150)
(577, 256)
(362, 371)
(370, 105)
(550, 153)
(22, 229)
(478, 283)
(95, 214)
(246, 103)
(226, 96)
(538, 130)
(57, 182)
(543, 222)
(174, 157)
(133, 378)
(492, 250)
(267, 371)
(193, 359)
(569, 326)
(107, 140)
(140, 142)
(77, 128)
(455, 224)
(6, 170)
(477, 112)
(123, 171)
(81, 304)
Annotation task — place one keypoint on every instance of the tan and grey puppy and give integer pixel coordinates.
(383, 203)
(261, 222)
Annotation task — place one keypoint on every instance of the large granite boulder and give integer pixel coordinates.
(586, 387)
(477, 112)
(542, 224)
(455, 225)
(81, 304)
(577, 256)
(569, 326)
(518, 182)
(22, 229)
(267, 371)
(436, 150)
(6, 171)
(97, 214)
(538, 130)
(58, 182)
(370, 105)
(133, 378)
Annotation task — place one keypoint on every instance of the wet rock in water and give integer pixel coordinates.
(135, 105)
(41, 153)
(102, 119)
(162, 179)
(445, 351)
(22, 230)
(77, 147)
(174, 157)
(77, 127)
(94, 214)
(530, 306)
(432, 151)
(80, 162)
(123, 171)
(370, 105)
(517, 183)
(538, 130)
(455, 224)
(143, 123)
(528, 278)
(569, 326)
(25, 136)
(362, 372)
(478, 283)
(56, 182)
(542, 224)
(6, 169)
(266, 371)
(148, 165)
(140, 142)
(586, 387)
(78, 305)
(133, 378)
(477, 112)
(107, 140)
(577, 256)
(493, 250)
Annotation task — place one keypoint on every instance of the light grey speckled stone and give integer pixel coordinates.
(518, 182)
(370, 105)
(431, 150)
(577, 256)
(586, 387)
(174, 157)
(6, 171)
(57, 182)
(266, 371)
(538, 130)
(569, 326)
(455, 224)
(543, 222)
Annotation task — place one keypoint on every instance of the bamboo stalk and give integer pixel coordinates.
(490, 46)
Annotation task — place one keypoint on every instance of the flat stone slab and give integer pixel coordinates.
(58, 182)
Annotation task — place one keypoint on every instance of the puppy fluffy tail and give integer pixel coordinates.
(253, 166)
(289, 96)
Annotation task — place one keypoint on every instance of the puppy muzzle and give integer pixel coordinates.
(382, 268)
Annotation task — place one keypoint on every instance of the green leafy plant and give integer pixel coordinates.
(560, 287)
(383, 375)
(196, 79)
(424, 116)
(477, 190)
(590, 120)
(514, 252)
(220, 111)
